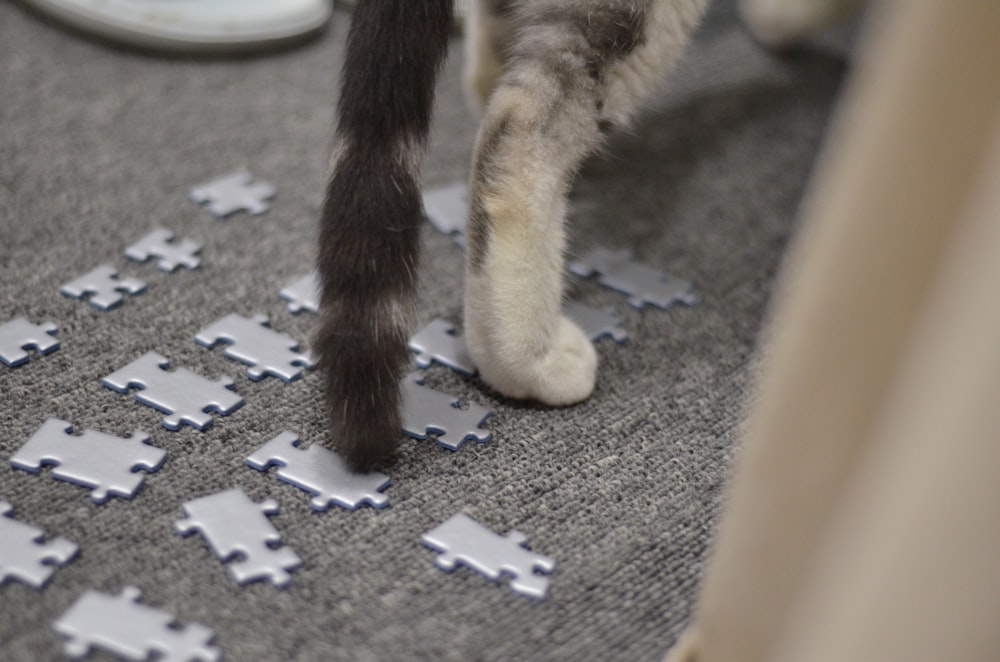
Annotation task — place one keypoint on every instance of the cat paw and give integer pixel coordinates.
(563, 375)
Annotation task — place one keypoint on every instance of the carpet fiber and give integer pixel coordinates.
(98, 146)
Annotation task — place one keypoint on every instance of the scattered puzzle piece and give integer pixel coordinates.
(24, 556)
(320, 472)
(104, 286)
(302, 295)
(172, 254)
(232, 193)
(643, 284)
(121, 625)
(19, 334)
(253, 342)
(234, 525)
(103, 462)
(426, 411)
(437, 342)
(464, 541)
(446, 209)
(183, 395)
(597, 323)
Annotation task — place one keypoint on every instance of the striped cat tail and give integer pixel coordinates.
(371, 219)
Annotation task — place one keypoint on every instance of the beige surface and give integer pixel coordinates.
(861, 518)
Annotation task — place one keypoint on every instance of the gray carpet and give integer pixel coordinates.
(98, 146)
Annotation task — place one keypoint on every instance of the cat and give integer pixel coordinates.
(553, 77)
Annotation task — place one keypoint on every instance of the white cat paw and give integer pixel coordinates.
(563, 375)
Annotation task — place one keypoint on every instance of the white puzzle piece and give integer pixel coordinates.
(254, 343)
(233, 525)
(103, 286)
(426, 412)
(238, 191)
(446, 208)
(597, 323)
(463, 541)
(438, 342)
(320, 472)
(23, 555)
(643, 284)
(302, 295)
(124, 627)
(19, 334)
(170, 253)
(105, 463)
(185, 397)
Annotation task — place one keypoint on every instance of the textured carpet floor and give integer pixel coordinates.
(98, 146)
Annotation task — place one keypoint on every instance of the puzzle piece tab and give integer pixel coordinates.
(24, 556)
(234, 192)
(643, 284)
(104, 287)
(19, 334)
(426, 411)
(446, 208)
(464, 541)
(302, 295)
(253, 342)
(103, 462)
(183, 395)
(234, 525)
(320, 472)
(121, 625)
(597, 323)
(172, 254)
(437, 342)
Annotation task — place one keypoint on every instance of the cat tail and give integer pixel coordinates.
(371, 219)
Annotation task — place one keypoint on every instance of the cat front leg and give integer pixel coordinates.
(522, 344)
(540, 123)
(574, 71)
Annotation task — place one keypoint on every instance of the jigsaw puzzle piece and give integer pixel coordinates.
(643, 284)
(274, 568)
(172, 254)
(597, 323)
(302, 295)
(121, 625)
(446, 208)
(320, 472)
(463, 541)
(233, 525)
(107, 464)
(104, 287)
(19, 334)
(234, 192)
(24, 556)
(185, 397)
(253, 342)
(437, 342)
(426, 411)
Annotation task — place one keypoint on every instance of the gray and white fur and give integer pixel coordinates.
(553, 77)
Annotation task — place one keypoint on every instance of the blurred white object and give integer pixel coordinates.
(783, 23)
(193, 26)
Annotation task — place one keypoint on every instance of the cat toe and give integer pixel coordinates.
(570, 369)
